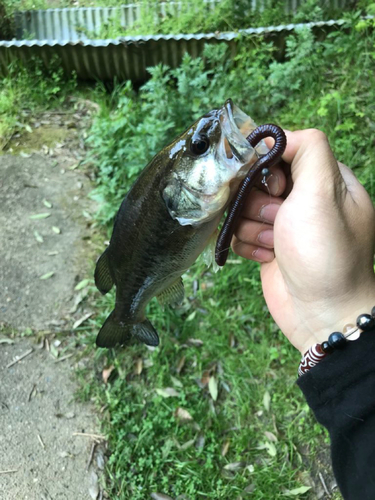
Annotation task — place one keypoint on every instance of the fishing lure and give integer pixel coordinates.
(259, 168)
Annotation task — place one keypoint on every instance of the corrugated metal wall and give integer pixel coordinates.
(73, 24)
(129, 57)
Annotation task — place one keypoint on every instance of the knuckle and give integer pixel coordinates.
(315, 135)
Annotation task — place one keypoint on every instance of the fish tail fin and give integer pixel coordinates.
(103, 278)
(115, 332)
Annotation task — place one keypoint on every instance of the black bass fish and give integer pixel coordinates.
(168, 218)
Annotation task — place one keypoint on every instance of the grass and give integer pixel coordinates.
(247, 431)
(254, 437)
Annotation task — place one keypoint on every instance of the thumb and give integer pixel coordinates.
(313, 165)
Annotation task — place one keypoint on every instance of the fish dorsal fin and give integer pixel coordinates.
(103, 278)
(146, 333)
(174, 294)
(208, 254)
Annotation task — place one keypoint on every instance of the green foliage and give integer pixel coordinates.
(258, 414)
(27, 87)
(196, 16)
(324, 83)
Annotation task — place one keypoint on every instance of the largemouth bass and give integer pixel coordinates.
(169, 216)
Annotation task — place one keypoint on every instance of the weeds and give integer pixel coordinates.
(30, 88)
(247, 430)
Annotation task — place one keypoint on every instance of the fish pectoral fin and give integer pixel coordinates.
(174, 294)
(103, 278)
(146, 333)
(113, 332)
(208, 253)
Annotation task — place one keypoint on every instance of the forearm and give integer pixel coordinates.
(341, 392)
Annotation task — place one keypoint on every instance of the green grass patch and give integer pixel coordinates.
(247, 438)
(249, 432)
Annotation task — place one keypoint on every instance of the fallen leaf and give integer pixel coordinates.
(40, 216)
(94, 486)
(199, 444)
(191, 316)
(267, 400)
(187, 445)
(195, 342)
(249, 488)
(160, 496)
(182, 415)
(47, 275)
(82, 284)
(106, 373)
(270, 447)
(180, 364)
(176, 382)
(54, 351)
(168, 392)
(225, 448)
(296, 491)
(271, 436)
(82, 320)
(231, 340)
(147, 363)
(38, 237)
(77, 300)
(234, 466)
(47, 204)
(205, 378)
(6, 341)
(212, 387)
(56, 229)
(138, 366)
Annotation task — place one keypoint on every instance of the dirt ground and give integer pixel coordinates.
(41, 458)
(42, 259)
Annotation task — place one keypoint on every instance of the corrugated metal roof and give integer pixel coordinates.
(128, 57)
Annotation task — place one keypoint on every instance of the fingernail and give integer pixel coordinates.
(268, 212)
(266, 237)
(273, 184)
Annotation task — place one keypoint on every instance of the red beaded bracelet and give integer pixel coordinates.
(336, 340)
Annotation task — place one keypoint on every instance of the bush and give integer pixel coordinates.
(324, 84)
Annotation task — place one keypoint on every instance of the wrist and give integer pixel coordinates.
(329, 318)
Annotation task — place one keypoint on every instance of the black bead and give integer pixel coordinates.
(326, 347)
(373, 312)
(365, 322)
(337, 340)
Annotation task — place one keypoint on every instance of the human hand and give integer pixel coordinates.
(315, 237)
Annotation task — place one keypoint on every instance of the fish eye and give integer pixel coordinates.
(199, 145)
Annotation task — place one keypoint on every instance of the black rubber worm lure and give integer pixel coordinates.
(259, 168)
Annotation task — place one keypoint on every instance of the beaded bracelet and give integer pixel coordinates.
(336, 340)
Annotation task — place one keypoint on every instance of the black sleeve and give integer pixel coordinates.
(341, 392)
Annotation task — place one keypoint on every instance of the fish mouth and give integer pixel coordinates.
(236, 150)
(236, 126)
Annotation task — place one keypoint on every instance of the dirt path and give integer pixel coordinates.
(40, 457)
(43, 259)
